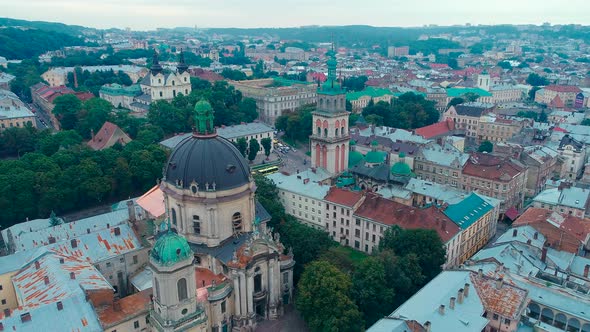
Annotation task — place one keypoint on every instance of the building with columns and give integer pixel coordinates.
(216, 267)
(330, 137)
(159, 85)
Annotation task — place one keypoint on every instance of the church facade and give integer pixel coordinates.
(158, 85)
(216, 267)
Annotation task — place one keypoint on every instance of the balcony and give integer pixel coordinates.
(259, 294)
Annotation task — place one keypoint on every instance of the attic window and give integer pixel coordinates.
(178, 252)
(173, 165)
(194, 189)
(230, 168)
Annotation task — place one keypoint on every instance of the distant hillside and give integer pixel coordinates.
(75, 30)
(17, 43)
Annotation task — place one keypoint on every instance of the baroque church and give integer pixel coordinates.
(214, 231)
(159, 85)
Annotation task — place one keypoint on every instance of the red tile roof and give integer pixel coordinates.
(391, 213)
(436, 129)
(563, 88)
(343, 196)
(491, 167)
(563, 232)
(104, 135)
(124, 308)
(507, 301)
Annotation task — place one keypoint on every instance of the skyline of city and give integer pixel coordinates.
(148, 14)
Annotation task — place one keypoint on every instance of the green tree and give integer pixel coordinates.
(486, 146)
(455, 101)
(267, 145)
(542, 116)
(536, 80)
(470, 96)
(94, 113)
(66, 110)
(585, 122)
(54, 220)
(242, 145)
(253, 149)
(371, 291)
(424, 243)
(505, 65)
(533, 92)
(324, 299)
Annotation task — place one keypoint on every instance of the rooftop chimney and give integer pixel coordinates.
(466, 290)
(586, 270)
(37, 265)
(452, 303)
(51, 240)
(46, 280)
(117, 231)
(26, 317)
(72, 275)
(499, 283)
(441, 309)
(544, 252)
(60, 305)
(427, 326)
(1, 326)
(74, 243)
(460, 296)
(7, 312)
(480, 273)
(528, 241)
(536, 235)
(131, 210)
(514, 232)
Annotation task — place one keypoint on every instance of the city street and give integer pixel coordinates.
(293, 161)
(42, 118)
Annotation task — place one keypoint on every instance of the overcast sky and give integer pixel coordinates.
(150, 14)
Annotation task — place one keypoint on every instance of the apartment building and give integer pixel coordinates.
(13, 112)
(565, 93)
(275, 96)
(541, 162)
(302, 195)
(440, 164)
(573, 154)
(496, 177)
(564, 199)
(498, 129)
(467, 116)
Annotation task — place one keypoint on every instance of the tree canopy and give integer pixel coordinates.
(535, 79)
(409, 111)
(486, 146)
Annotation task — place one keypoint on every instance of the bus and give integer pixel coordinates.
(267, 170)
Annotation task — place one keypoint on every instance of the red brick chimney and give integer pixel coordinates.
(544, 252)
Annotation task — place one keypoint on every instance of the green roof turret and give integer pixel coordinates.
(204, 118)
(171, 248)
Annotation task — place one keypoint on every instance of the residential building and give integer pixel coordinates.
(248, 131)
(467, 117)
(340, 205)
(302, 195)
(566, 93)
(484, 96)
(440, 164)
(5, 80)
(108, 135)
(462, 300)
(393, 51)
(275, 96)
(14, 113)
(498, 129)
(496, 177)
(565, 199)
(44, 95)
(477, 220)
(361, 99)
(59, 76)
(329, 140)
(120, 96)
(506, 93)
(541, 162)
(573, 154)
(438, 130)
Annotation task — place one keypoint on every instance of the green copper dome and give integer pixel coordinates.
(354, 157)
(352, 142)
(401, 169)
(170, 249)
(375, 157)
(203, 106)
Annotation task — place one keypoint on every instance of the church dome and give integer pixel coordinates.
(170, 248)
(354, 157)
(401, 169)
(207, 161)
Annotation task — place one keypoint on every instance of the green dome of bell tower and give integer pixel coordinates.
(170, 248)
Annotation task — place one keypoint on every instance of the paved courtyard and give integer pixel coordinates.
(290, 322)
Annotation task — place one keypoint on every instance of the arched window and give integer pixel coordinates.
(173, 215)
(257, 283)
(237, 222)
(157, 290)
(182, 291)
(319, 131)
(173, 83)
(321, 102)
(174, 93)
(196, 224)
(336, 132)
(161, 94)
(325, 132)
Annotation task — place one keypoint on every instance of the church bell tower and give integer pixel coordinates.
(330, 136)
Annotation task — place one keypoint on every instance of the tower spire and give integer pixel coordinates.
(156, 68)
(182, 66)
